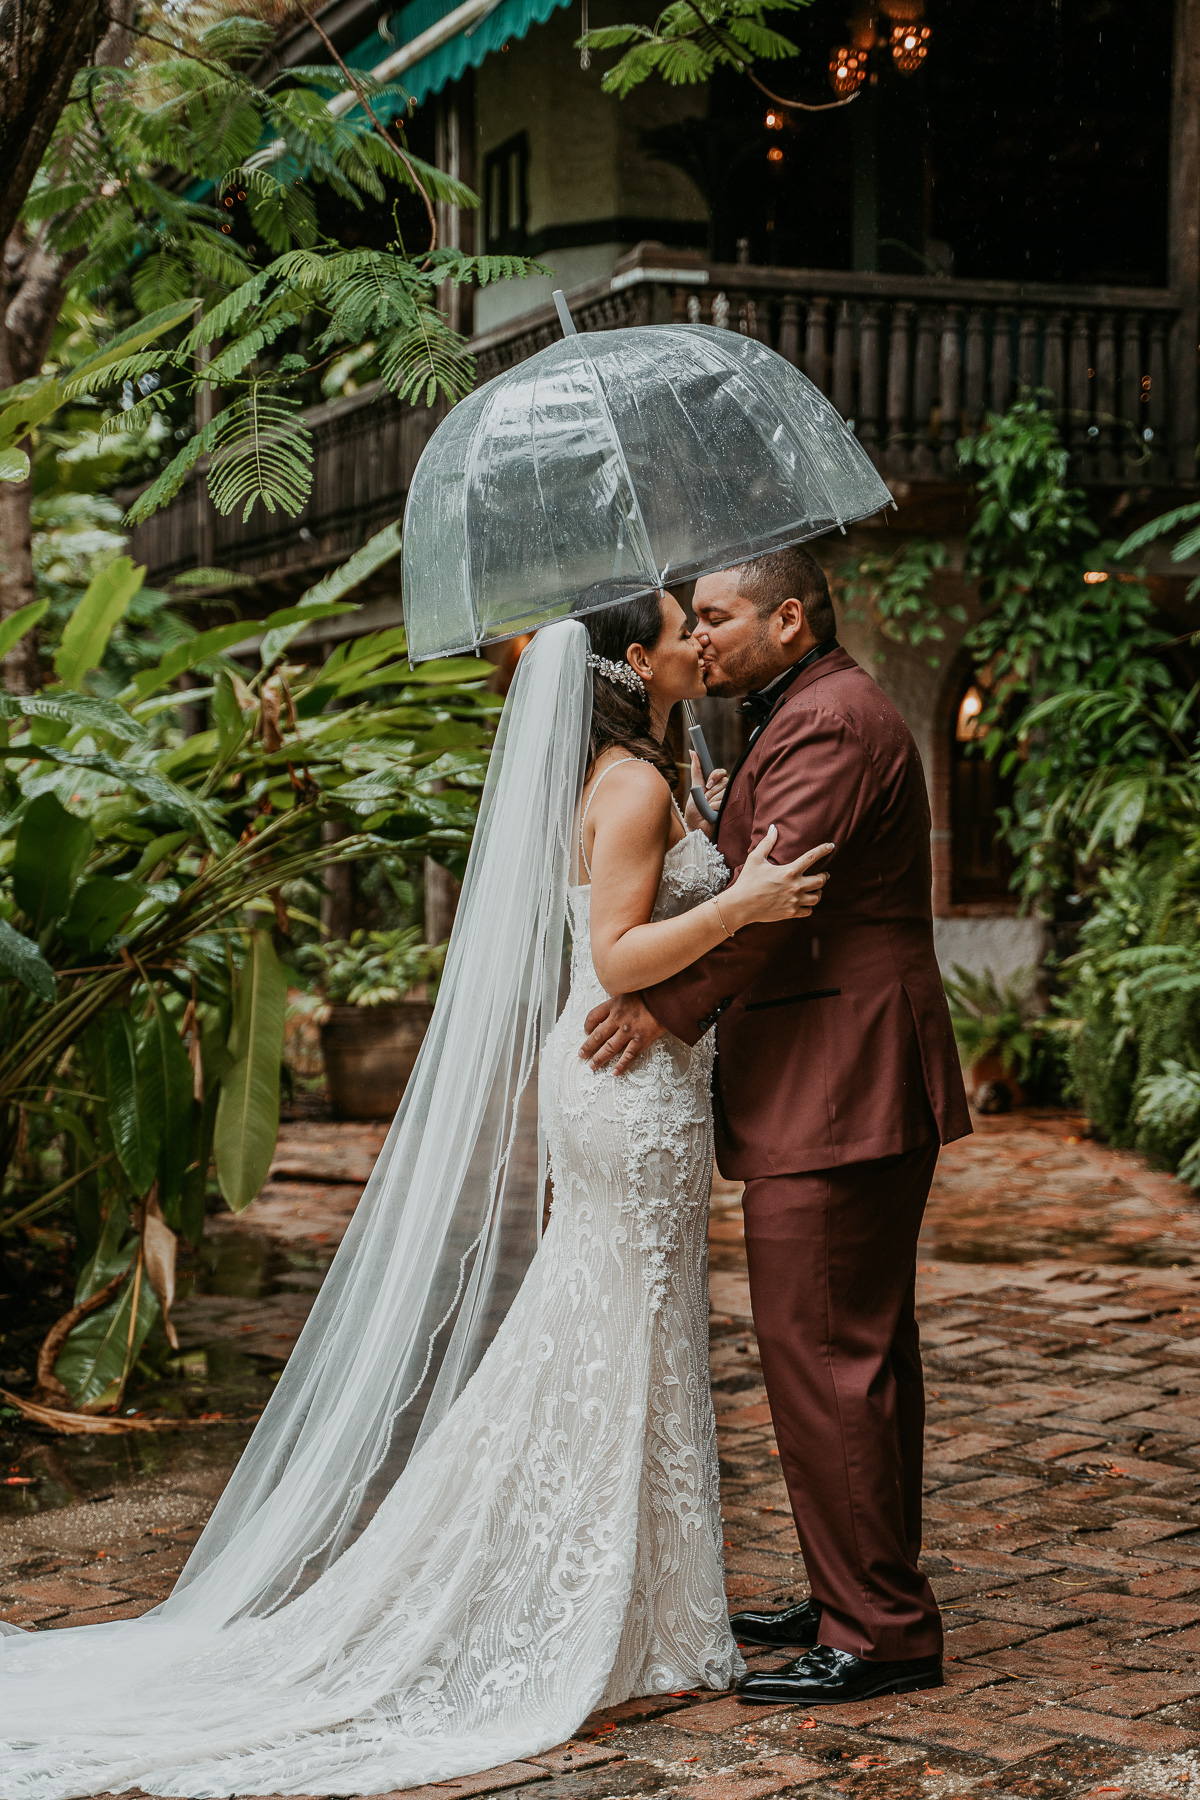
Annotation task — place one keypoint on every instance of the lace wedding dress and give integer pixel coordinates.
(553, 1545)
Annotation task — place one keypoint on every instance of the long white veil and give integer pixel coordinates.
(438, 1246)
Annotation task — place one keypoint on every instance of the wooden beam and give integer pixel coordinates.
(1184, 230)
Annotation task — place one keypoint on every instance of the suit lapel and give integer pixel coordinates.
(836, 661)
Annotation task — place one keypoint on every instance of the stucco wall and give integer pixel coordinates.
(587, 166)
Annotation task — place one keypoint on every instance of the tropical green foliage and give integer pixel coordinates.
(1133, 990)
(1008, 1021)
(150, 884)
(897, 594)
(373, 968)
(1099, 732)
(1083, 710)
(691, 39)
(152, 166)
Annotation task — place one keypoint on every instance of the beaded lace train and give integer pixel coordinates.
(554, 1545)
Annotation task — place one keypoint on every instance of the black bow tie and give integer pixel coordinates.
(757, 708)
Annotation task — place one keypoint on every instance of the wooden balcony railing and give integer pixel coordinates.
(912, 363)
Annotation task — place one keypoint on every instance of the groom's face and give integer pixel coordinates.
(739, 649)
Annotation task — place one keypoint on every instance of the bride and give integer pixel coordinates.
(483, 1499)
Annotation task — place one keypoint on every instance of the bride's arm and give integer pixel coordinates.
(632, 820)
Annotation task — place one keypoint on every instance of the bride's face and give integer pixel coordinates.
(672, 669)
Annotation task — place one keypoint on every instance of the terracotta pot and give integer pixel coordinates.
(369, 1054)
(989, 1071)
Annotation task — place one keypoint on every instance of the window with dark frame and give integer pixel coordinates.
(505, 186)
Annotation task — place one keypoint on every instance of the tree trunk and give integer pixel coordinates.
(32, 300)
(337, 899)
(441, 901)
(42, 43)
(21, 668)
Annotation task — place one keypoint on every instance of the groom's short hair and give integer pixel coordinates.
(789, 574)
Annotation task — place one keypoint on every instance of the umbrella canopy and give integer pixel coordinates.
(611, 464)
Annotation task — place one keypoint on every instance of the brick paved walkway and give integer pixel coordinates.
(1060, 1300)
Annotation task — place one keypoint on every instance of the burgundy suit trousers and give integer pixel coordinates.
(832, 1257)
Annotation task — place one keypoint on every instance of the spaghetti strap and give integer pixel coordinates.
(583, 815)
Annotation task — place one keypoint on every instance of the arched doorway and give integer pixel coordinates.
(972, 863)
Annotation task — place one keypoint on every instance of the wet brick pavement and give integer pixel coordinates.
(1060, 1303)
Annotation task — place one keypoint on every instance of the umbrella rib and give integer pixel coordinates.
(647, 546)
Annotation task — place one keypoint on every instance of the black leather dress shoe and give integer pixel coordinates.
(828, 1677)
(794, 1625)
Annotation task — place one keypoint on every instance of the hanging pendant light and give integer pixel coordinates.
(910, 47)
(847, 70)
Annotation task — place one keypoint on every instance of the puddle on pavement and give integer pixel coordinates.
(212, 1374)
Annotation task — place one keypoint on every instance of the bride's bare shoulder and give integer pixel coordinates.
(631, 788)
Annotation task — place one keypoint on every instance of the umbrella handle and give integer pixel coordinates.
(700, 746)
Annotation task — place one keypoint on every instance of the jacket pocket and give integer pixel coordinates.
(792, 999)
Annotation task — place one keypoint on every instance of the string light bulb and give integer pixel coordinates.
(847, 70)
(910, 47)
(1093, 577)
(775, 154)
(773, 122)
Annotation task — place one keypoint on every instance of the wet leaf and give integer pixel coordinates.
(136, 1101)
(248, 1110)
(51, 848)
(99, 907)
(158, 1252)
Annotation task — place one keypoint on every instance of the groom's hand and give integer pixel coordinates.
(620, 1028)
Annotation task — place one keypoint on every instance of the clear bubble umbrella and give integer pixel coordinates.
(612, 464)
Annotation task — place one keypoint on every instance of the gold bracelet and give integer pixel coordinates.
(721, 916)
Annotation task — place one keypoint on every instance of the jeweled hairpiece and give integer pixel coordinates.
(618, 672)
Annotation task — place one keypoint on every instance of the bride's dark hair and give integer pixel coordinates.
(620, 715)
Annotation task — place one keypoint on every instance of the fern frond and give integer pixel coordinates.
(426, 358)
(222, 317)
(263, 451)
(168, 484)
(242, 352)
(160, 279)
(760, 40)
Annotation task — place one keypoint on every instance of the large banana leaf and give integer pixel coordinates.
(91, 1363)
(90, 626)
(248, 1110)
(98, 908)
(13, 629)
(136, 1100)
(51, 848)
(164, 1065)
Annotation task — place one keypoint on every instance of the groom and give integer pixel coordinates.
(836, 1079)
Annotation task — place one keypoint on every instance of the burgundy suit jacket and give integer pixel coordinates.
(833, 1034)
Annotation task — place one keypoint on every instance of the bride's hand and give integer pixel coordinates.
(714, 793)
(766, 891)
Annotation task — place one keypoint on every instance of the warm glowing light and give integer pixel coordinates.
(847, 70)
(970, 708)
(775, 154)
(910, 47)
(1093, 576)
(774, 122)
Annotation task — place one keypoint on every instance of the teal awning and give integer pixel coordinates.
(510, 19)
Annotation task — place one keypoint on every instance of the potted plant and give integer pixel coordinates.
(1011, 1049)
(376, 989)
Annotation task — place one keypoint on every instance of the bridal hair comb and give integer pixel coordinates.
(619, 672)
